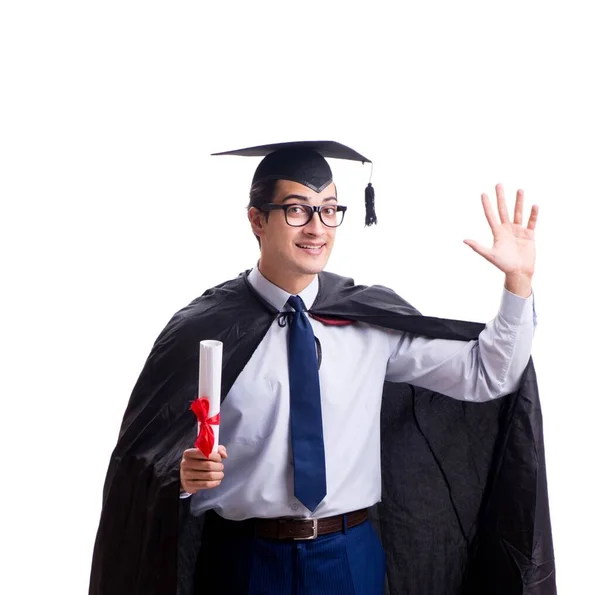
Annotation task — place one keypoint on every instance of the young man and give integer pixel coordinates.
(308, 357)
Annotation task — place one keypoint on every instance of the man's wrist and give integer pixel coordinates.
(519, 284)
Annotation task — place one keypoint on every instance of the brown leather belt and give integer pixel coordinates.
(293, 529)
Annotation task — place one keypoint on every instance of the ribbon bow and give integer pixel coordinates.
(206, 436)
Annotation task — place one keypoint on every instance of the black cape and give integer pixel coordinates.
(464, 509)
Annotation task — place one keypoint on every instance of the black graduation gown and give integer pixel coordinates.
(464, 509)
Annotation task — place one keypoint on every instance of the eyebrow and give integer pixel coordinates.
(305, 199)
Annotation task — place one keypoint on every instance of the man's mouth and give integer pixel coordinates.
(312, 248)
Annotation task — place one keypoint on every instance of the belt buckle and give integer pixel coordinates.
(314, 531)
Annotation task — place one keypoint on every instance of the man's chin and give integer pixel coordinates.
(311, 268)
(314, 269)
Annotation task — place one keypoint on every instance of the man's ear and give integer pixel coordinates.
(257, 221)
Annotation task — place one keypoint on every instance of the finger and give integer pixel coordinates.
(195, 453)
(204, 465)
(533, 217)
(222, 451)
(502, 210)
(215, 456)
(518, 219)
(193, 487)
(485, 252)
(196, 476)
(489, 213)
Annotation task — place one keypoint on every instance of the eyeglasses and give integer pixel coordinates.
(300, 215)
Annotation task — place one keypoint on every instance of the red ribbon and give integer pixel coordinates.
(206, 436)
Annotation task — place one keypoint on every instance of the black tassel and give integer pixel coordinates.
(371, 217)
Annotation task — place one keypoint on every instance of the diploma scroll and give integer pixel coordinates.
(207, 406)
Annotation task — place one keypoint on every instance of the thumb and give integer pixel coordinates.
(215, 456)
(222, 451)
(482, 251)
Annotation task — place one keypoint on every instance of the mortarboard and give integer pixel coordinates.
(304, 162)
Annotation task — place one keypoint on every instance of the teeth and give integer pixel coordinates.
(311, 247)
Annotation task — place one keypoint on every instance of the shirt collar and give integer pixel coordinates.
(278, 297)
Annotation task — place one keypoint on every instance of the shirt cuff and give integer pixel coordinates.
(516, 309)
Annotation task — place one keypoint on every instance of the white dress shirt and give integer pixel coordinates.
(356, 360)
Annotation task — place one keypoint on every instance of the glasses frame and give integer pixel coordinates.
(279, 207)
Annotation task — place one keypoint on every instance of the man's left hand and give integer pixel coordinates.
(513, 250)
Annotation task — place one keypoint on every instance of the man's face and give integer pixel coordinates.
(296, 250)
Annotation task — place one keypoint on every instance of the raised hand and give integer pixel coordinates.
(513, 249)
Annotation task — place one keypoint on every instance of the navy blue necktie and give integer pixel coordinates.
(306, 422)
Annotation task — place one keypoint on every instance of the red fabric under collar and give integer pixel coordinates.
(332, 321)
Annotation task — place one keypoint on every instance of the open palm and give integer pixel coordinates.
(513, 249)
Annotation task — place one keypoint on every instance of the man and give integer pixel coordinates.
(284, 508)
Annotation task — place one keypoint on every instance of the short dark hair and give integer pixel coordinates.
(262, 193)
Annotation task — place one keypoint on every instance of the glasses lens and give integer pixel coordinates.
(331, 216)
(297, 215)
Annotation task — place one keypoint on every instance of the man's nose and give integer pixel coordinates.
(315, 225)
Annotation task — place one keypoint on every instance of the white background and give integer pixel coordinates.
(114, 215)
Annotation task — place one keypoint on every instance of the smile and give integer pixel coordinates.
(311, 248)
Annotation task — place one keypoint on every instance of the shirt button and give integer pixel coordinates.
(295, 506)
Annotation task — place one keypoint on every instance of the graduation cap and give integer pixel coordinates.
(304, 162)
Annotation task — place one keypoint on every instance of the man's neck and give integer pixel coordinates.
(293, 284)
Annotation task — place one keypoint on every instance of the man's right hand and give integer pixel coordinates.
(196, 472)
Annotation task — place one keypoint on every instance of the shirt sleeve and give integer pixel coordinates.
(479, 370)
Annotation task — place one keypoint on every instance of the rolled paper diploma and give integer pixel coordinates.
(207, 406)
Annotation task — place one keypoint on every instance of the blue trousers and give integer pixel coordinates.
(345, 563)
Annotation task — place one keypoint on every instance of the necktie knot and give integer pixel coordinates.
(296, 302)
